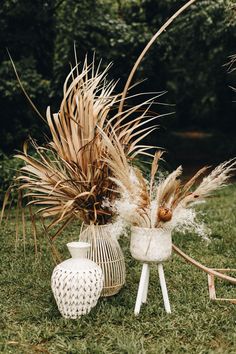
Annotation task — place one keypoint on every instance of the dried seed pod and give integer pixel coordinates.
(164, 214)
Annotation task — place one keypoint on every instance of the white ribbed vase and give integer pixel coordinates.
(77, 282)
(150, 244)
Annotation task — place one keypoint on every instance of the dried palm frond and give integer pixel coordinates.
(231, 63)
(60, 188)
(129, 180)
(231, 67)
(70, 177)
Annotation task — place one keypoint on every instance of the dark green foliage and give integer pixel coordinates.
(18, 119)
(187, 60)
(27, 32)
(114, 31)
(8, 167)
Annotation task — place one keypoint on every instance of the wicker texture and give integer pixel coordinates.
(76, 284)
(106, 252)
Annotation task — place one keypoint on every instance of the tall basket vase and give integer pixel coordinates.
(106, 252)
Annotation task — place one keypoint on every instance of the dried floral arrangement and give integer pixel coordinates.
(69, 177)
(166, 202)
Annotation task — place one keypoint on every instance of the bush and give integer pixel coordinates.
(187, 60)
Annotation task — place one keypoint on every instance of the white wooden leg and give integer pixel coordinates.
(141, 289)
(164, 288)
(145, 291)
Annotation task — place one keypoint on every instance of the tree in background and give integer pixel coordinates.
(115, 31)
(187, 60)
(27, 30)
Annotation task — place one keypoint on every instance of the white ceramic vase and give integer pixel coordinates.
(77, 282)
(150, 244)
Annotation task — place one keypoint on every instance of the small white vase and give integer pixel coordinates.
(150, 244)
(77, 282)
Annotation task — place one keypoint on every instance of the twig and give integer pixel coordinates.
(152, 40)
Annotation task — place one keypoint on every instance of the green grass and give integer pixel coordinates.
(31, 323)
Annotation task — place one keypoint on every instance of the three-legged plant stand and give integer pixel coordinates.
(150, 245)
(143, 288)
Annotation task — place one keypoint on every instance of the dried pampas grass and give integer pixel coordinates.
(167, 204)
(217, 179)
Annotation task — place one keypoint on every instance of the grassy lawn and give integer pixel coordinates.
(31, 323)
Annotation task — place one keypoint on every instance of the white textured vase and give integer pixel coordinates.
(77, 282)
(150, 244)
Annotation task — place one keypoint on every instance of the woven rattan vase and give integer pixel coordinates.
(77, 282)
(106, 252)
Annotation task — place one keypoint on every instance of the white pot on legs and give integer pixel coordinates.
(150, 244)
